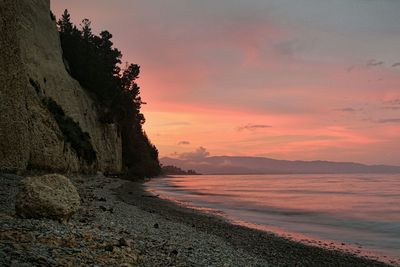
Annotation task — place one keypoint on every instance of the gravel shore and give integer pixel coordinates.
(119, 224)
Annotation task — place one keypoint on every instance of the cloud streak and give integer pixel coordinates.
(393, 120)
(253, 127)
(374, 63)
(393, 104)
(184, 143)
(346, 109)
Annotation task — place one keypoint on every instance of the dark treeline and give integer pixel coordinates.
(95, 63)
(173, 170)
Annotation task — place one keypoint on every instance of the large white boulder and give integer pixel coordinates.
(49, 196)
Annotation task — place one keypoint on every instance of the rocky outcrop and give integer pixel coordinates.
(50, 196)
(32, 72)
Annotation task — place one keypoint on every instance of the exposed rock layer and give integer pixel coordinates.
(32, 69)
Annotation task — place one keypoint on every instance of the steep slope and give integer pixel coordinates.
(32, 75)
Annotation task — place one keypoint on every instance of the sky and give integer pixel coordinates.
(285, 79)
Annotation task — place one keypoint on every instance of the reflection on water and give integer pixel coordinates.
(358, 209)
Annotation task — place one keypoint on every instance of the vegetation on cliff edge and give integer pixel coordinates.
(72, 132)
(95, 63)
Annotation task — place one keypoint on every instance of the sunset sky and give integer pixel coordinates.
(286, 79)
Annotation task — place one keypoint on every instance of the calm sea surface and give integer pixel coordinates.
(361, 211)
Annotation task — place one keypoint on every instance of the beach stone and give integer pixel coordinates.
(50, 196)
(122, 242)
(109, 248)
(103, 208)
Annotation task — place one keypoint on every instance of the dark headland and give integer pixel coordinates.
(262, 165)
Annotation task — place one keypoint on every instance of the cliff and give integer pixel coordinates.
(42, 108)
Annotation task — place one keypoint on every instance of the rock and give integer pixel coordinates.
(156, 225)
(50, 196)
(122, 242)
(103, 208)
(109, 248)
(111, 210)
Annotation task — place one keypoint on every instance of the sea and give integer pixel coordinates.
(356, 213)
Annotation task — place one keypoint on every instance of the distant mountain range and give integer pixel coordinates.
(260, 165)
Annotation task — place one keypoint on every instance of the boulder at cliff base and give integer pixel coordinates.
(50, 196)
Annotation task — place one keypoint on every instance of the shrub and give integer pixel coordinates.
(72, 132)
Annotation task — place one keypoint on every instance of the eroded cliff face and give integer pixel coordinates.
(32, 71)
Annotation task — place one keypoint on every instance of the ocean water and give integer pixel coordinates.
(355, 212)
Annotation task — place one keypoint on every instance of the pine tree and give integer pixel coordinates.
(65, 24)
(86, 30)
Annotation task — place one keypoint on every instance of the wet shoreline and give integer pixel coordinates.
(275, 250)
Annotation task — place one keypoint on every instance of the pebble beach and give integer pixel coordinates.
(120, 224)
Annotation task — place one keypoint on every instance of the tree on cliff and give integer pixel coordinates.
(95, 63)
(65, 25)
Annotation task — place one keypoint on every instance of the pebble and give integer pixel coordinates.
(124, 242)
